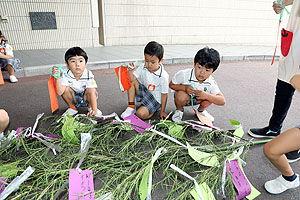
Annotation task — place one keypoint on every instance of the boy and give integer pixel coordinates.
(78, 87)
(149, 83)
(199, 82)
(7, 60)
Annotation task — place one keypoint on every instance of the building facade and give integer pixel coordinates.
(48, 24)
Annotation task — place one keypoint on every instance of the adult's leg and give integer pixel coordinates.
(4, 120)
(282, 103)
(275, 150)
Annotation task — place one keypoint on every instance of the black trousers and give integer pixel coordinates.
(283, 99)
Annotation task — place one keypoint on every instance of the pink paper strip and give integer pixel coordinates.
(3, 182)
(239, 180)
(137, 121)
(81, 185)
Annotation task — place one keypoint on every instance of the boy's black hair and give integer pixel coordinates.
(0, 33)
(154, 48)
(208, 57)
(75, 51)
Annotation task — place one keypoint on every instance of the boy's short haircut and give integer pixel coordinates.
(208, 57)
(75, 51)
(154, 48)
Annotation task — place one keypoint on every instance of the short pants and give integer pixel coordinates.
(79, 100)
(13, 62)
(147, 99)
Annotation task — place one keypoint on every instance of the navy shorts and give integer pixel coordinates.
(147, 99)
(13, 62)
(80, 102)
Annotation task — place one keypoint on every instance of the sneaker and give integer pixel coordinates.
(293, 156)
(99, 113)
(263, 133)
(177, 116)
(13, 78)
(127, 112)
(280, 185)
(71, 111)
(206, 114)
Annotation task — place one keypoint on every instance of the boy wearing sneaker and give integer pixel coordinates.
(197, 81)
(7, 60)
(149, 84)
(77, 87)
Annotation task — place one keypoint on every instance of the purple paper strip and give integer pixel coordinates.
(19, 131)
(137, 121)
(3, 182)
(81, 185)
(239, 180)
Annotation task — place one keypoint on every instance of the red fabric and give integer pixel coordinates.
(286, 40)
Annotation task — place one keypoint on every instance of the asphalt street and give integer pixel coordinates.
(248, 86)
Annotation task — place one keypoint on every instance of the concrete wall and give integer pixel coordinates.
(134, 22)
(73, 19)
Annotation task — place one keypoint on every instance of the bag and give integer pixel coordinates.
(286, 40)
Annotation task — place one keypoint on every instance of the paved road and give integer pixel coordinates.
(248, 86)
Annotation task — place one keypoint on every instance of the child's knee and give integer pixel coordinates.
(4, 118)
(143, 113)
(182, 97)
(90, 93)
(205, 103)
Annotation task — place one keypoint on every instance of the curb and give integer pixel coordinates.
(45, 69)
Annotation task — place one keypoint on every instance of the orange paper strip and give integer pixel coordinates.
(52, 93)
(125, 79)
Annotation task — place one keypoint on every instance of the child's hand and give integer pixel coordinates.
(163, 115)
(200, 95)
(91, 113)
(276, 7)
(131, 66)
(189, 90)
(55, 71)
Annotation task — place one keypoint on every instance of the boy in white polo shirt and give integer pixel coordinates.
(7, 59)
(149, 84)
(199, 82)
(77, 87)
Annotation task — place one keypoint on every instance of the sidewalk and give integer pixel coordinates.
(39, 62)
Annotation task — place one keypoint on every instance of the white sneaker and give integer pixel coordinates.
(177, 116)
(206, 114)
(280, 185)
(127, 112)
(99, 113)
(70, 111)
(13, 79)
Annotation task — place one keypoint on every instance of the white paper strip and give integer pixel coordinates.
(155, 157)
(189, 177)
(15, 184)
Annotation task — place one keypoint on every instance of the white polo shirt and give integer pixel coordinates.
(156, 82)
(86, 81)
(187, 77)
(6, 49)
